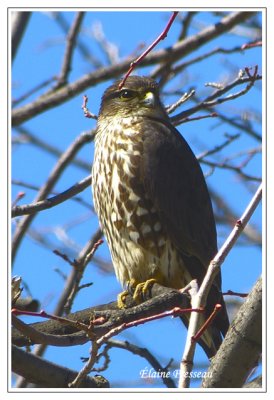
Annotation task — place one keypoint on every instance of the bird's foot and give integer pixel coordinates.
(131, 287)
(141, 290)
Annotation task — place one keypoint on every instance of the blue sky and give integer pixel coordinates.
(40, 57)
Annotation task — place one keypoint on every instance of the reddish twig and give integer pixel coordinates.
(176, 311)
(245, 46)
(91, 253)
(162, 36)
(43, 314)
(18, 197)
(207, 323)
(84, 107)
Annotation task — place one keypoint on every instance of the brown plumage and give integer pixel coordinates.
(151, 197)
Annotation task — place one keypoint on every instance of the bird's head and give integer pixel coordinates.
(139, 96)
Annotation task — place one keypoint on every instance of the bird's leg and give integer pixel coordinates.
(131, 287)
(142, 288)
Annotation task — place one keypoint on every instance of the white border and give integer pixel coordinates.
(108, 5)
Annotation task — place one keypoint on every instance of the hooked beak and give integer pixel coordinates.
(149, 100)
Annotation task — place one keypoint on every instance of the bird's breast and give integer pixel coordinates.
(119, 194)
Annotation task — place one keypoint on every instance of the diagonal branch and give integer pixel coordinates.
(19, 23)
(242, 346)
(70, 47)
(27, 209)
(199, 299)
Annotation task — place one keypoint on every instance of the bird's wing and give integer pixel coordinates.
(174, 181)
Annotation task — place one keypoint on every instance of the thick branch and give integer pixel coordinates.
(164, 299)
(19, 23)
(46, 374)
(242, 347)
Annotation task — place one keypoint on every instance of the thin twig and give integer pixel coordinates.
(186, 96)
(84, 107)
(221, 146)
(77, 273)
(84, 50)
(35, 89)
(162, 36)
(234, 168)
(36, 188)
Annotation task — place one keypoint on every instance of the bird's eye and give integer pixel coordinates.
(126, 94)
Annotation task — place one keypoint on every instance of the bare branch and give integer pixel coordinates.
(200, 299)
(84, 51)
(216, 149)
(28, 209)
(242, 346)
(20, 21)
(70, 47)
(49, 375)
(234, 168)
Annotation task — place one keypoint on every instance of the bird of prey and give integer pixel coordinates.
(152, 200)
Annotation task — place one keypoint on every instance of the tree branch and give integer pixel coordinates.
(242, 346)
(46, 374)
(19, 23)
(199, 300)
(70, 47)
(164, 299)
(41, 205)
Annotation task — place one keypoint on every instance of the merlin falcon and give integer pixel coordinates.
(152, 200)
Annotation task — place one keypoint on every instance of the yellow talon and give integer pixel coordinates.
(121, 298)
(141, 289)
